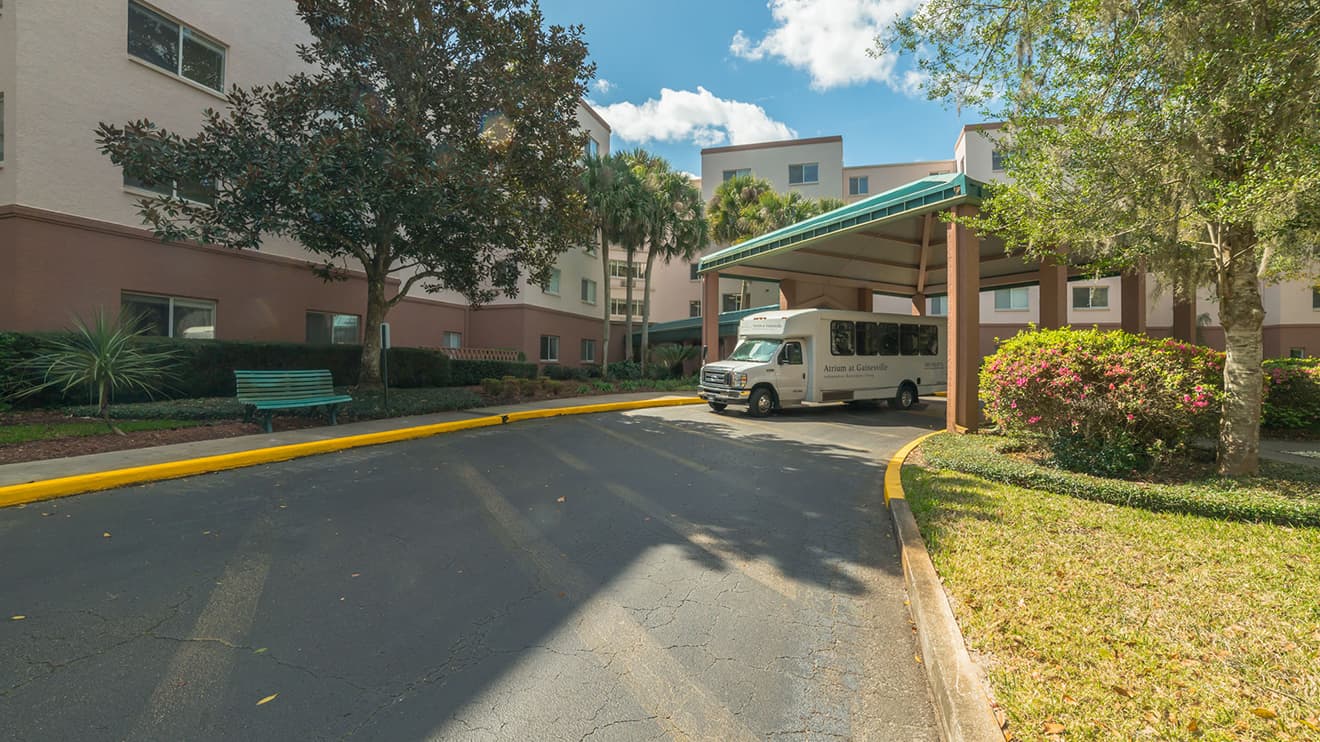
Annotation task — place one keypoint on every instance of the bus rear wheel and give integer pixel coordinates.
(761, 403)
(717, 406)
(905, 398)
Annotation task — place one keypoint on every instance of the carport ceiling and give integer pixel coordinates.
(892, 242)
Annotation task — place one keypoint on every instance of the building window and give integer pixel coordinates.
(692, 272)
(2, 127)
(694, 308)
(1315, 298)
(588, 291)
(859, 185)
(326, 328)
(593, 147)
(808, 172)
(1011, 300)
(588, 350)
(937, 306)
(550, 347)
(996, 160)
(731, 302)
(201, 192)
(166, 316)
(619, 269)
(552, 283)
(1297, 352)
(175, 48)
(737, 173)
(452, 340)
(1090, 297)
(617, 306)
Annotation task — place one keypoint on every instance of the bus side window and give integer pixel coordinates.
(841, 338)
(868, 339)
(908, 339)
(929, 340)
(888, 338)
(792, 354)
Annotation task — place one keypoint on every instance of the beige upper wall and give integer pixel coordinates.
(771, 160)
(881, 178)
(8, 55)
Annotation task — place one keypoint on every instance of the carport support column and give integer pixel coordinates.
(918, 305)
(865, 300)
(787, 293)
(1184, 319)
(710, 316)
(1132, 287)
(963, 412)
(1053, 294)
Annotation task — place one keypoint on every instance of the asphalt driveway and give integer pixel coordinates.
(648, 575)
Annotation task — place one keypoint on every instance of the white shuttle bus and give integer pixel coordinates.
(817, 356)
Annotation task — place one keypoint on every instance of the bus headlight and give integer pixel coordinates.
(741, 381)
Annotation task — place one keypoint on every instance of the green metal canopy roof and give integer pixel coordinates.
(690, 328)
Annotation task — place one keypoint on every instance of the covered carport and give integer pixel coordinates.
(900, 243)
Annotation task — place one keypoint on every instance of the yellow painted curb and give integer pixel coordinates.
(18, 494)
(894, 471)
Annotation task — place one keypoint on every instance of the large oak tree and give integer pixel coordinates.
(430, 142)
(1178, 135)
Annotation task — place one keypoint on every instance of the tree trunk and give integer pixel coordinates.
(1241, 314)
(369, 375)
(627, 306)
(646, 310)
(604, 297)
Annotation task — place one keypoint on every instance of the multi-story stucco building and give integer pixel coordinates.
(1292, 324)
(71, 239)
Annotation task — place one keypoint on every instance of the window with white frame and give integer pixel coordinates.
(807, 172)
(694, 308)
(1315, 298)
(452, 339)
(175, 48)
(1011, 300)
(588, 350)
(551, 285)
(619, 269)
(692, 272)
(737, 173)
(550, 347)
(996, 160)
(168, 316)
(859, 185)
(593, 147)
(731, 302)
(618, 305)
(588, 291)
(1090, 297)
(202, 192)
(937, 306)
(329, 328)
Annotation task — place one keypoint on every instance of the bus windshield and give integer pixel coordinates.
(756, 350)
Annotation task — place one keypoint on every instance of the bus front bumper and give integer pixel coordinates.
(723, 396)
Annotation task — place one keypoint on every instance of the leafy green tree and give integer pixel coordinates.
(1179, 134)
(674, 223)
(734, 211)
(104, 357)
(612, 194)
(434, 142)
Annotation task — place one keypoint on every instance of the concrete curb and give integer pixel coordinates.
(18, 494)
(961, 705)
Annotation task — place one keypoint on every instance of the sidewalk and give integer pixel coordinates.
(75, 465)
(1305, 453)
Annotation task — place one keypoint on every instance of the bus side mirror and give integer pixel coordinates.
(704, 348)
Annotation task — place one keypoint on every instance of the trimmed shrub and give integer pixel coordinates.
(470, 373)
(1292, 394)
(1106, 402)
(624, 370)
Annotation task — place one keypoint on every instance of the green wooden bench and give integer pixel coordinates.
(267, 391)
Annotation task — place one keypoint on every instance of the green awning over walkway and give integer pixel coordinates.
(680, 330)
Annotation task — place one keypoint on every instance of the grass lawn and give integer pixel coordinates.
(1111, 622)
(29, 432)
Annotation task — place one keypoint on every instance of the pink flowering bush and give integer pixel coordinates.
(1106, 402)
(1292, 394)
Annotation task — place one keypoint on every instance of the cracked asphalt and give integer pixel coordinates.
(658, 574)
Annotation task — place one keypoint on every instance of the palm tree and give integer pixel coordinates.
(733, 212)
(678, 231)
(612, 191)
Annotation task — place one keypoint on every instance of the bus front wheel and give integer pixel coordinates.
(761, 403)
(905, 398)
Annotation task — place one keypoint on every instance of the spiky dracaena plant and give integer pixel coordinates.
(105, 357)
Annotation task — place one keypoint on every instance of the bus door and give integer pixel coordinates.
(792, 372)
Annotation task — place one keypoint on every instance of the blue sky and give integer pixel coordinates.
(741, 71)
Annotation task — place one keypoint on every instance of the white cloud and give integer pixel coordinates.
(602, 85)
(830, 40)
(699, 117)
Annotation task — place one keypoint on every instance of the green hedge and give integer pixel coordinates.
(205, 368)
(1282, 494)
(1292, 394)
